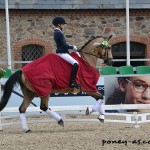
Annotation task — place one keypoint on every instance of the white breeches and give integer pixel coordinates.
(68, 58)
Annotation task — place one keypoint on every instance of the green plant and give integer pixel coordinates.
(2, 72)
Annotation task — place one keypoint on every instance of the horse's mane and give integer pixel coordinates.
(91, 39)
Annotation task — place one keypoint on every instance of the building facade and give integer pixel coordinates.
(31, 31)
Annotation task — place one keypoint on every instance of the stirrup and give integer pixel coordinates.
(74, 85)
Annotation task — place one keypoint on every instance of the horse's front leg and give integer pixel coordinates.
(98, 107)
(47, 110)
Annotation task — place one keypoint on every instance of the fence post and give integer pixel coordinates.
(136, 119)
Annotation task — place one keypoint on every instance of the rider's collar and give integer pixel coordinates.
(57, 29)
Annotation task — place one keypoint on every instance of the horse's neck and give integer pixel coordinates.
(92, 60)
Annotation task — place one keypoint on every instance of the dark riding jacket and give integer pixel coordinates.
(62, 46)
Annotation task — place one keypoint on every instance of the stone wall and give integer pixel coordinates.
(35, 27)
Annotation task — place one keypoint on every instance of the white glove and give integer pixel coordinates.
(75, 48)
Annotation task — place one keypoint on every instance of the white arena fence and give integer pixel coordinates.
(122, 116)
(131, 118)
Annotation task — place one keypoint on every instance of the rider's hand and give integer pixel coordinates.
(75, 48)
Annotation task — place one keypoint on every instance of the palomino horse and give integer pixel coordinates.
(51, 74)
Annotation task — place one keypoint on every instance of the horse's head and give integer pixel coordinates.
(100, 48)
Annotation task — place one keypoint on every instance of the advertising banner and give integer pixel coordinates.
(127, 90)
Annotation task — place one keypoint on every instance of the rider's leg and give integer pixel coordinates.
(68, 58)
(73, 76)
(71, 60)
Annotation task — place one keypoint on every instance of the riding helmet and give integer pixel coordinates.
(58, 20)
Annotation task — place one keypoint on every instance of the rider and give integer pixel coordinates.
(63, 48)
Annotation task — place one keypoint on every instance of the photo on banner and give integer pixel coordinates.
(127, 90)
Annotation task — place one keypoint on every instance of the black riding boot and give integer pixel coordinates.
(73, 77)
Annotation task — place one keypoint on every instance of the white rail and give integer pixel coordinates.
(132, 118)
(83, 107)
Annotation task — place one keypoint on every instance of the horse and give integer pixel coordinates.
(51, 74)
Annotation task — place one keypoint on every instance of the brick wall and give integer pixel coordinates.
(34, 27)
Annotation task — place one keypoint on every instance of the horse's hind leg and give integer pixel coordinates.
(28, 97)
(44, 107)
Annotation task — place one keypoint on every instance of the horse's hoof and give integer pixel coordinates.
(27, 131)
(61, 122)
(87, 112)
(101, 118)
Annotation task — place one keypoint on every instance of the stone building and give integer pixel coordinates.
(31, 32)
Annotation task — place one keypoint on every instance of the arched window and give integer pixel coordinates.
(31, 52)
(137, 51)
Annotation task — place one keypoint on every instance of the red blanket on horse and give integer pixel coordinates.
(52, 72)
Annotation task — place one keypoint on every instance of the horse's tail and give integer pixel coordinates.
(8, 88)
